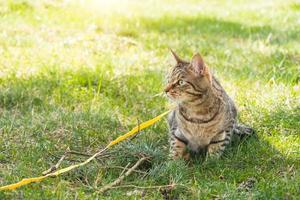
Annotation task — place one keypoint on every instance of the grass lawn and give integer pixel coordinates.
(77, 74)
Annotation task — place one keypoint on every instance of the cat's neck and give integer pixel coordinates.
(201, 112)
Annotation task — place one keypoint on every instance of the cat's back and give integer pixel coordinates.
(226, 99)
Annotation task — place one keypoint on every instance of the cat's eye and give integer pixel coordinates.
(181, 82)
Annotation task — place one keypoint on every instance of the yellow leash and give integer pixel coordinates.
(135, 130)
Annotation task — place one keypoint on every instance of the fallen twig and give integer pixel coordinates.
(79, 153)
(121, 178)
(120, 167)
(54, 167)
(86, 154)
(170, 186)
(123, 171)
(64, 157)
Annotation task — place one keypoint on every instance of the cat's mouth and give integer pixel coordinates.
(172, 96)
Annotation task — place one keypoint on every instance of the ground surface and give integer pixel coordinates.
(78, 74)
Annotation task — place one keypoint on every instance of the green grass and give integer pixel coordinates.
(77, 75)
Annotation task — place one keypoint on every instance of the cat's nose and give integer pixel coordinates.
(168, 88)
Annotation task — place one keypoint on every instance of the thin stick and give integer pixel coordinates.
(67, 159)
(120, 167)
(147, 187)
(54, 167)
(124, 169)
(79, 153)
(104, 155)
(170, 186)
(121, 178)
(84, 154)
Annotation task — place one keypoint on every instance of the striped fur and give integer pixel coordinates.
(205, 116)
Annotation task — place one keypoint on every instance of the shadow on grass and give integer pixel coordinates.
(203, 26)
(69, 90)
(208, 28)
(190, 26)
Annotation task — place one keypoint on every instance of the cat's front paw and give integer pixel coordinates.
(213, 153)
(185, 156)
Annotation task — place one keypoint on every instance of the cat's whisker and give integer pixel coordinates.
(161, 94)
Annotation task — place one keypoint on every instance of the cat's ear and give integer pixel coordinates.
(198, 64)
(178, 60)
(200, 67)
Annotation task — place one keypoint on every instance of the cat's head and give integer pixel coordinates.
(188, 81)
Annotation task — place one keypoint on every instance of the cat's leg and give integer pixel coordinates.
(177, 141)
(218, 143)
(242, 130)
(178, 148)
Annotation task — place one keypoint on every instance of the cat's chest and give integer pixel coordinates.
(199, 135)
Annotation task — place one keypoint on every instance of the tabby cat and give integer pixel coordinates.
(205, 116)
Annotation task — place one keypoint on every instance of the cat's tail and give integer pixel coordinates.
(243, 130)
